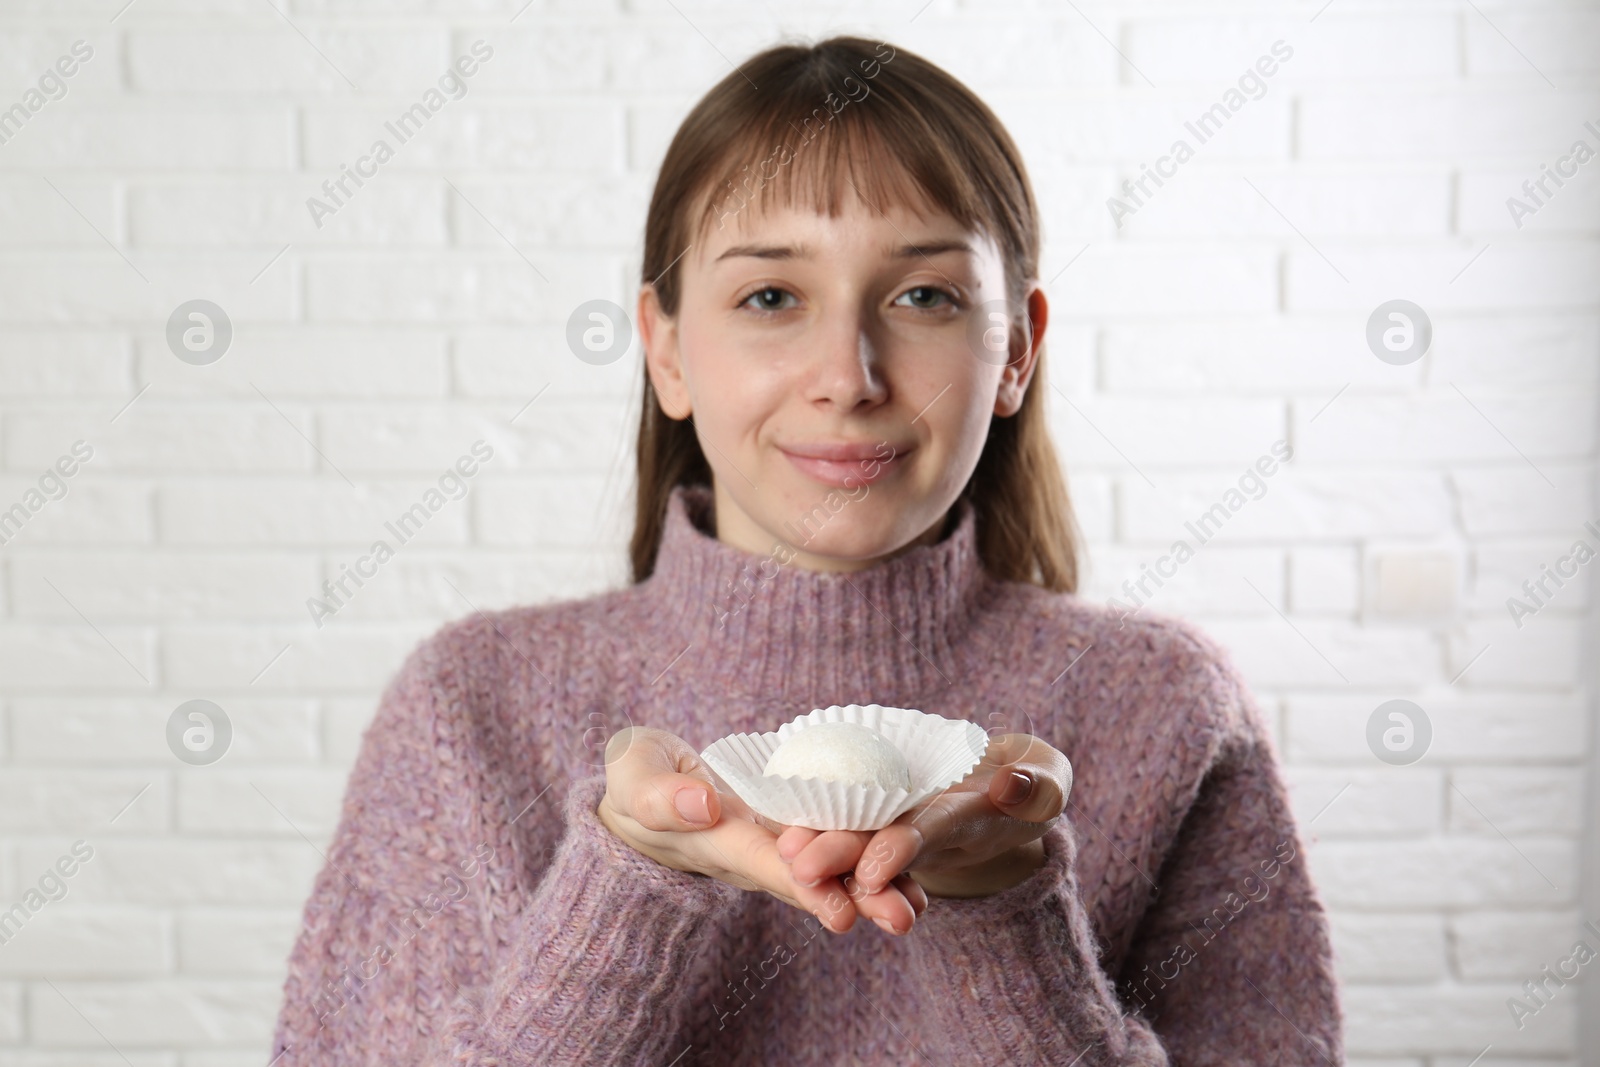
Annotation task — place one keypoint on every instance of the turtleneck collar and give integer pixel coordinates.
(777, 629)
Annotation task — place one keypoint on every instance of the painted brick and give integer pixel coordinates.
(66, 939)
(148, 1014)
(1324, 581)
(1510, 727)
(62, 731)
(282, 61)
(1341, 46)
(39, 363)
(1389, 948)
(1516, 800)
(466, 134)
(317, 512)
(1451, 872)
(1386, 802)
(432, 305)
(1430, 124)
(131, 586)
(1512, 944)
(236, 941)
(266, 801)
(321, 363)
(1553, 41)
(1457, 1020)
(163, 872)
(394, 211)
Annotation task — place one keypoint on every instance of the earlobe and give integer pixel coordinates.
(1018, 374)
(671, 391)
(658, 335)
(1013, 387)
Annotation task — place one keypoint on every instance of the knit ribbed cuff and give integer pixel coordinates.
(609, 930)
(1015, 974)
(950, 915)
(697, 892)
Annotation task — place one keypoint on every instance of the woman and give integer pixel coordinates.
(846, 494)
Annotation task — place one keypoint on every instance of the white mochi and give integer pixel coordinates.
(841, 752)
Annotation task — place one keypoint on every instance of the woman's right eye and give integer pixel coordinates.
(762, 296)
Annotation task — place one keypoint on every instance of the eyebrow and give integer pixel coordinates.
(803, 251)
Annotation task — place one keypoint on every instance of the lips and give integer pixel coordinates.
(846, 465)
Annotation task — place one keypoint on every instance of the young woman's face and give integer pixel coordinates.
(832, 376)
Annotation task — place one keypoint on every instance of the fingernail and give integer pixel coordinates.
(692, 805)
(886, 927)
(808, 885)
(1017, 788)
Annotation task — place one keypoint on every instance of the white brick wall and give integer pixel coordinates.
(1227, 313)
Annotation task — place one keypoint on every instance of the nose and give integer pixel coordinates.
(847, 371)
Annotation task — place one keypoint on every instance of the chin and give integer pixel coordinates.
(844, 537)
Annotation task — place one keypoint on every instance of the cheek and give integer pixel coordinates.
(973, 431)
(955, 429)
(732, 389)
(960, 417)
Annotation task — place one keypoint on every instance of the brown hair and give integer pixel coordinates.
(950, 151)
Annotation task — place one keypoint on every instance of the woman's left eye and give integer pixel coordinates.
(927, 292)
(762, 294)
(924, 298)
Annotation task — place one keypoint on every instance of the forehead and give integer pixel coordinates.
(896, 231)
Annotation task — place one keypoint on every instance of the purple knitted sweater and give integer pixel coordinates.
(474, 910)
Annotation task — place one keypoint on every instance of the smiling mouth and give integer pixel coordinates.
(847, 465)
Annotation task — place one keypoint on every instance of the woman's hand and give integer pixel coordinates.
(660, 800)
(979, 837)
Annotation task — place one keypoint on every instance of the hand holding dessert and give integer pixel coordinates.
(977, 838)
(660, 800)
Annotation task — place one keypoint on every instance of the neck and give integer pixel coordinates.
(733, 526)
(763, 626)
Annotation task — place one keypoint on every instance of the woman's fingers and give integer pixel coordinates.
(822, 856)
(915, 895)
(795, 838)
(753, 854)
(656, 779)
(666, 803)
(735, 808)
(675, 802)
(950, 821)
(891, 909)
(831, 852)
(1016, 793)
(1029, 779)
(751, 851)
(889, 855)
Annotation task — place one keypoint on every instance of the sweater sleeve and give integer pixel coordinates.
(1233, 960)
(1016, 978)
(428, 940)
(1019, 979)
(594, 976)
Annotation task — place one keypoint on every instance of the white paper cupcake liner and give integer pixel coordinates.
(939, 751)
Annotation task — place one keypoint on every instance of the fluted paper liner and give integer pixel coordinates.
(939, 752)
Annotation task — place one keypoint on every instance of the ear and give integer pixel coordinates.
(662, 361)
(1017, 375)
